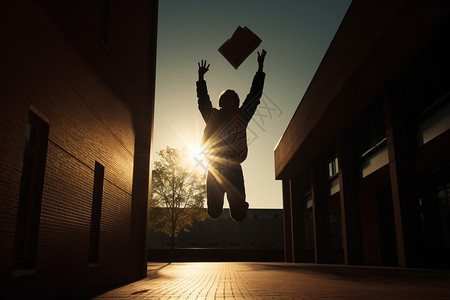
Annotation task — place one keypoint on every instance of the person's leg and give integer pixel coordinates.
(236, 193)
(214, 196)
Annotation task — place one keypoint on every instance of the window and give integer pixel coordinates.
(435, 123)
(333, 185)
(30, 196)
(308, 200)
(169, 244)
(333, 167)
(375, 158)
(213, 244)
(333, 180)
(193, 244)
(371, 142)
(235, 244)
(335, 231)
(96, 213)
(369, 131)
(435, 216)
(427, 78)
(214, 229)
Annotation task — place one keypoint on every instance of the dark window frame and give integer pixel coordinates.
(97, 199)
(31, 190)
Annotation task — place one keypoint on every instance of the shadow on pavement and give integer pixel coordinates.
(154, 268)
(152, 273)
(391, 275)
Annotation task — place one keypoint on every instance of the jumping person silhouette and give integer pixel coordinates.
(225, 142)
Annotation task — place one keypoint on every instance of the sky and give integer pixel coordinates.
(295, 34)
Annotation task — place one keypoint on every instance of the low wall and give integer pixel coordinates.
(215, 255)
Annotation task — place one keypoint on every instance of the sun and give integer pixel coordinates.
(190, 140)
(197, 157)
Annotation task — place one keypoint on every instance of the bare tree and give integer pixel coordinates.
(178, 193)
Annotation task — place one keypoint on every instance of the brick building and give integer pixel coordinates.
(77, 93)
(262, 229)
(365, 160)
(258, 238)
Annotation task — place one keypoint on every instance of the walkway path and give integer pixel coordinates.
(283, 281)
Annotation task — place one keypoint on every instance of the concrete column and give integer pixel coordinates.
(143, 117)
(298, 222)
(320, 213)
(287, 220)
(139, 208)
(400, 143)
(350, 213)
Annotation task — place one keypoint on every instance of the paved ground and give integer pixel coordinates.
(283, 281)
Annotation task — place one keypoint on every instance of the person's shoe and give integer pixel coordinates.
(214, 213)
(238, 215)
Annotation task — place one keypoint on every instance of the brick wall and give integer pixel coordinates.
(89, 121)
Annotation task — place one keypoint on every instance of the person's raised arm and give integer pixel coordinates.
(261, 60)
(202, 69)
(251, 102)
(204, 103)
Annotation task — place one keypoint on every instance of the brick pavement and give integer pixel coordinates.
(283, 281)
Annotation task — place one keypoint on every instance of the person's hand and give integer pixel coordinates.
(202, 69)
(261, 59)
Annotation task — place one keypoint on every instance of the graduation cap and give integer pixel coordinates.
(241, 44)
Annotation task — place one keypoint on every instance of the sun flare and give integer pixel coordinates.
(196, 157)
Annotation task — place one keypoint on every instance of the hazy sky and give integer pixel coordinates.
(295, 34)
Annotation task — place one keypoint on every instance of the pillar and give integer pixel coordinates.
(298, 222)
(320, 213)
(400, 143)
(287, 221)
(350, 213)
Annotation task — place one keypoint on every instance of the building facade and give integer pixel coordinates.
(258, 238)
(262, 229)
(77, 93)
(365, 160)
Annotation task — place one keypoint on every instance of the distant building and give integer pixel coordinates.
(262, 229)
(365, 160)
(76, 93)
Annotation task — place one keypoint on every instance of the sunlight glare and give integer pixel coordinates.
(197, 157)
